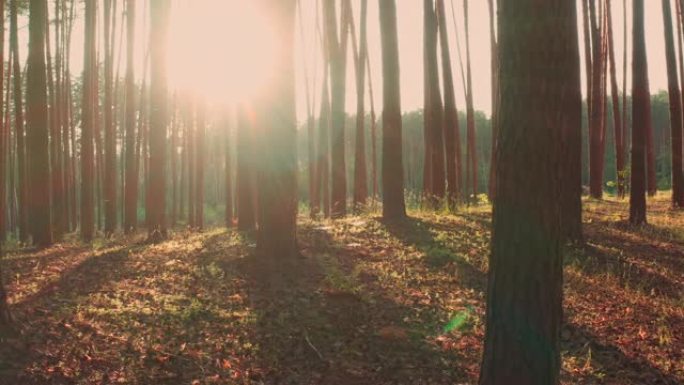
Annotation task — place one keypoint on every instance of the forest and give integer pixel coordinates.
(341, 192)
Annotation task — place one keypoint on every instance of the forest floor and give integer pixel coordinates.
(367, 303)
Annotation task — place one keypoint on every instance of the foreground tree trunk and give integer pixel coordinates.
(37, 142)
(87, 126)
(675, 108)
(159, 16)
(540, 99)
(641, 117)
(393, 206)
(277, 234)
(4, 138)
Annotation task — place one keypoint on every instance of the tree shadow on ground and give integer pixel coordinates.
(317, 324)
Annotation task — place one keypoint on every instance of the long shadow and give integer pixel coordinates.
(606, 363)
(35, 315)
(416, 232)
(314, 329)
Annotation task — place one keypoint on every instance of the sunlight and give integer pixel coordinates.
(219, 49)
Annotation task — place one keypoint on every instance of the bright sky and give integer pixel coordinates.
(221, 49)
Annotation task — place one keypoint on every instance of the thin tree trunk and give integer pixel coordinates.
(337, 56)
(452, 134)
(228, 174)
(360, 172)
(495, 97)
(200, 159)
(159, 16)
(19, 126)
(109, 129)
(131, 173)
(617, 114)
(675, 99)
(56, 150)
(174, 163)
(597, 107)
(393, 206)
(541, 98)
(470, 110)
(245, 170)
(4, 141)
(641, 117)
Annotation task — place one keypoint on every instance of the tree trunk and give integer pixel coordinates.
(277, 234)
(641, 117)
(597, 108)
(174, 163)
(131, 173)
(470, 111)
(4, 141)
(22, 196)
(159, 16)
(495, 97)
(245, 170)
(109, 129)
(675, 98)
(337, 55)
(617, 115)
(393, 206)
(433, 111)
(452, 131)
(540, 100)
(55, 129)
(200, 158)
(37, 138)
(228, 174)
(323, 167)
(360, 172)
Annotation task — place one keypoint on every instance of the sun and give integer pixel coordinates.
(222, 50)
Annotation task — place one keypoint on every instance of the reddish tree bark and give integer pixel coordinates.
(470, 112)
(22, 211)
(540, 99)
(675, 99)
(617, 114)
(641, 116)
(452, 131)
(393, 206)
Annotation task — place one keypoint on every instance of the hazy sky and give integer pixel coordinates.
(215, 44)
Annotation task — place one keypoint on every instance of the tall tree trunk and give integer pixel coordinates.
(277, 234)
(470, 111)
(174, 163)
(200, 159)
(245, 170)
(495, 97)
(597, 107)
(541, 98)
(393, 206)
(675, 107)
(37, 137)
(131, 173)
(190, 146)
(19, 126)
(109, 129)
(617, 115)
(87, 125)
(56, 151)
(374, 156)
(641, 117)
(433, 112)
(4, 143)
(337, 55)
(360, 172)
(228, 174)
(625, 124)
(5, 315)
(452, 134)
(159, 16)
(323, 167)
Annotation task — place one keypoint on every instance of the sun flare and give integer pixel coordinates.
(221, 50)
